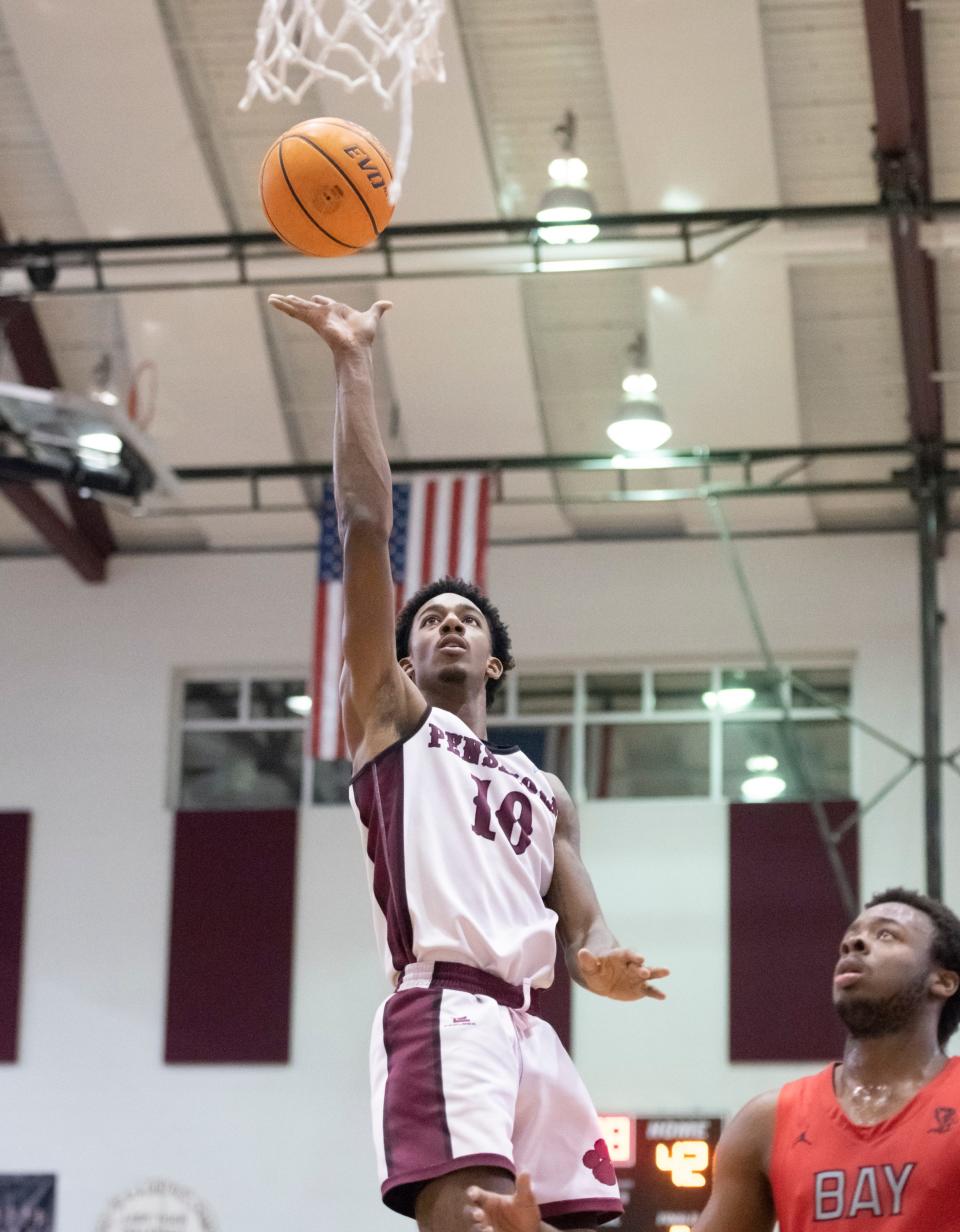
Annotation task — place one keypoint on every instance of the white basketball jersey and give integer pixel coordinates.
(459, 836)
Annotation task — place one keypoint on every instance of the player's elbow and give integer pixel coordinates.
(362, 524)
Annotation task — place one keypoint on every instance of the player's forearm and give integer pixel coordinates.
(361, 470)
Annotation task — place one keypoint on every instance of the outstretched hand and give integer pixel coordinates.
(620, 974)
(342, 328)
(493, 1212)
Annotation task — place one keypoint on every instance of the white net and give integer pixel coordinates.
(386, 44)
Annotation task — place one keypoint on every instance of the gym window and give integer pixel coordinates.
(241, 739)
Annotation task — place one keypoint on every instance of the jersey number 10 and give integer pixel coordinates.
(514, 816)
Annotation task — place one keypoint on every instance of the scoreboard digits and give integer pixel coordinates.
(686, 1160)
(664, 1167)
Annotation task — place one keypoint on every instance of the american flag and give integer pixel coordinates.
(439, 527)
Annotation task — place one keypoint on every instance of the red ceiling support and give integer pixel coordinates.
(76, 549)
(89, 541)
(895, 41)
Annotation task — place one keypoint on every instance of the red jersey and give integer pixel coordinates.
(903, 1173)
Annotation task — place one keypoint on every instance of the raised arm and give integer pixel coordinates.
(380, 703)
(741, 1201)
(594, 957)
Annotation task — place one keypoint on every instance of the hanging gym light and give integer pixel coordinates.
(568, 199)
(639, 426)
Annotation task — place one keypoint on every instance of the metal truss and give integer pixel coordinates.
(715, 474)
(435, 250)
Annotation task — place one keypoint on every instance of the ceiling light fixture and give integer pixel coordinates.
(762, 787)
(639, 425)
(729, 701)
(762, 763)
(299, 703)
(100, 442)
(638, 380)
(568, 199)
(101, 384)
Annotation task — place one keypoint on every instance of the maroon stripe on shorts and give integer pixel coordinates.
(415, 1131)
(378, 791)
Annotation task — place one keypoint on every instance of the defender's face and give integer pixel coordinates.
(450, 642)
(884, 952)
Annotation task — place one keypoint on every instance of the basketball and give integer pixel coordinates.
(323, 187)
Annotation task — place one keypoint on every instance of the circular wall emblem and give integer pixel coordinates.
(157, 1206)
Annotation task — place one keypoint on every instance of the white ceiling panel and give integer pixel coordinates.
(734, 315)
(821, 100)
(849, 356)
(514, 522)
(34, 200)
(941, 25)
(103, 83)
(149, 532)
(261, 530)
(461, 370)
(217, 401)
(689, 95)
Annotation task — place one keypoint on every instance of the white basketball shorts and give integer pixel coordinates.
(462, 1076)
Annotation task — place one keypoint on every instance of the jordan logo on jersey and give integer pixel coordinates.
(872, 1190)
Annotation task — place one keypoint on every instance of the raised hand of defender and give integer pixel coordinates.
(516, 1212)
(620, 974)
(340, 326)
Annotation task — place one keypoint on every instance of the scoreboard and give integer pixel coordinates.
(664, 1168)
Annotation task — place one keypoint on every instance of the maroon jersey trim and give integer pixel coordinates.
(379, 798)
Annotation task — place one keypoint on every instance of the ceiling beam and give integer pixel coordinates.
(895, 42)
(66, 540)
(89, 541)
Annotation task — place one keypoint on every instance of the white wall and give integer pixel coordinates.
(84, 715)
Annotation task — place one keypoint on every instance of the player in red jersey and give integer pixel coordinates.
(474, 863)
(870, 1142)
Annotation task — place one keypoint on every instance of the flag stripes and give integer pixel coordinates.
(439, 527)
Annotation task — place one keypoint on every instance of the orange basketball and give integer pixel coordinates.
(323, 187)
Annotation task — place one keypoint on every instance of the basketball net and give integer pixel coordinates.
(295, 48)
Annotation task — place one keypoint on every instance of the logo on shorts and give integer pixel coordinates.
(463, 1021)
(598, 1161)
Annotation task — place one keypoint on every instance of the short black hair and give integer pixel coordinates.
(945, 950)
(500, 646)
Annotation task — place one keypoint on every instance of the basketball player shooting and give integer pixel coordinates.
(474, 866)
(871, 1142)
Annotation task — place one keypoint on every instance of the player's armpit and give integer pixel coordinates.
(742, 1199)
(383, 704)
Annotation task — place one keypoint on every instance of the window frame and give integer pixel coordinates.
(579, 718)
(245, 678)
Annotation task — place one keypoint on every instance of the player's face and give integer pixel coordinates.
(450, 644)
(885, 972)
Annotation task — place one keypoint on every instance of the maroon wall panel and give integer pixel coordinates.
(231, 937)
(786, 921)
(14, 840)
